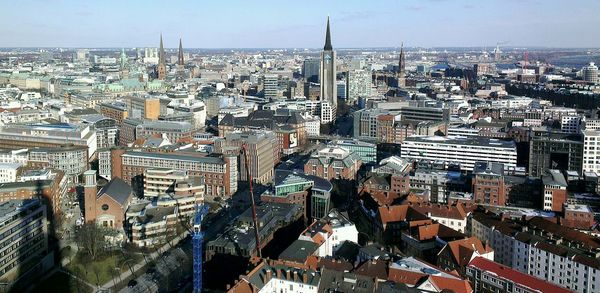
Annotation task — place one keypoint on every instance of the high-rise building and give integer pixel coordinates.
(591, 152)
(24, 240)
(161, 68)
(401, 74)
(554, 150)
(271, 85)
(327, 79)
(263, 153)
(310, 70)
(359, 84)
(590, 73)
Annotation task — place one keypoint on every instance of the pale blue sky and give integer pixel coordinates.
(267, 24)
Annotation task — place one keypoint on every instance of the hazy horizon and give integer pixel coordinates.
(282, 24)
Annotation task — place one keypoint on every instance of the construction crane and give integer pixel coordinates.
(197, 243)
(198, 235)
(254, 220)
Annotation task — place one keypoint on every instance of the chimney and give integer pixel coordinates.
(305, 278)
(287, 274)
(278, 274)
(269, 275)
(295, 276)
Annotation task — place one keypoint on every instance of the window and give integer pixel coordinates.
(104, 207)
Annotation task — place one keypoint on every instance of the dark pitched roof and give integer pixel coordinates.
(118, 190)
(298, 251)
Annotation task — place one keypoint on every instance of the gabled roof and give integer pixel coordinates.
(454, 285)
(118, 190)
(442, 211)
(462, 250)
(374, 269)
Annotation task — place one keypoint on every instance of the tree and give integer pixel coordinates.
(91, 239)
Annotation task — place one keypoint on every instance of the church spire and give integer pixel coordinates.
(161, 52)
(328, 46)
(123, 59)
(401, 62)
(161, 69)
(180, 56)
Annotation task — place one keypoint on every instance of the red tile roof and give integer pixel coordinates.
(455, 285)
(404, 276)
(515, 276)
(462, 250)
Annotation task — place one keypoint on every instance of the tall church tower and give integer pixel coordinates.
(401, 74)
(180, 55)
(327, 80)
(161, 69)
(124, 66)
(90, 191)
(180, 63)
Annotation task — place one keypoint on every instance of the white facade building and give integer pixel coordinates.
(359, 84)
(20, 156)
(571, 124)
(460, 150)
(8, 172)
(312, 124)
(591, 151)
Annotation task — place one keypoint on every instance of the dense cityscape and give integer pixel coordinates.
(388, 169)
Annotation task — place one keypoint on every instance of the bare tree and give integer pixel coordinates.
(91, 238)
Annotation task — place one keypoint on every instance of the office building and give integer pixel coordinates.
(458, 150)
(367, 151)
(271, 86)
(333, 162)
(591, 151)
(359, 84)
(72, 160)
(310, 70)
(48, 135)
(263, 153)
(173, 131)
(143, 107)
(173, 183)
(24, 243)
(312, 193)
(327, 79)
(220, 172)
(107, 129)
(114, 110)
(554, 150)
(589, 73)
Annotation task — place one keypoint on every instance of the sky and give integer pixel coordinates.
(299, 24)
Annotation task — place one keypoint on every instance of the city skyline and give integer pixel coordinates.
(269, 24)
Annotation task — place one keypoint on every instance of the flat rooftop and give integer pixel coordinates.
(463, 140)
